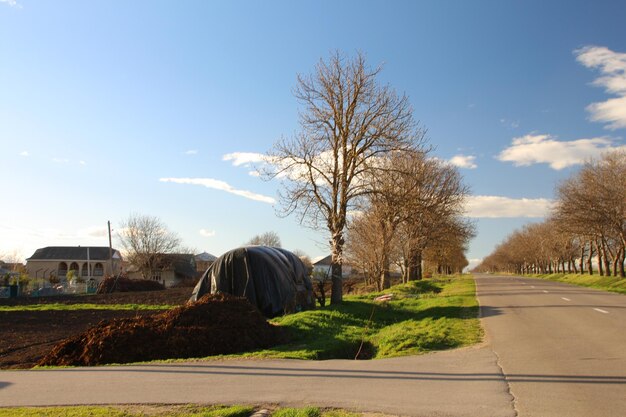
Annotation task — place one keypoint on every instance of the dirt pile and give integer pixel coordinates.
(121, 284)
(216, 324)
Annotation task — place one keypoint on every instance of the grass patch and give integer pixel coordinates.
(129, 411)
(298, 412)
(433, 314)
(167, 411)
(612, 284)
(72, 307)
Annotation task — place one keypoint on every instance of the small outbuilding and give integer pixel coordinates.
(273, 279)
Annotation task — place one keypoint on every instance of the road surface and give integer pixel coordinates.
(561, 347)
(550, 350)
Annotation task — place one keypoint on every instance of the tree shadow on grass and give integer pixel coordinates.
(348, 331)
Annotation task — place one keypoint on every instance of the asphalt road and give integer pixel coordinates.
(561, 347)
(551, 350)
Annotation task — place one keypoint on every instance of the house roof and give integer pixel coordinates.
(324, 261)
(205, 257)
(96, 253)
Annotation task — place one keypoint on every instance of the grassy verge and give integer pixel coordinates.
(612, 284)
(60, 306)
(167, 411)
(423, 316)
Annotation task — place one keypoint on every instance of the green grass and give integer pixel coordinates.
(129, 411)
(298, 412)
(612, 284)
(72, 307)
(166, 411)
(426, 315)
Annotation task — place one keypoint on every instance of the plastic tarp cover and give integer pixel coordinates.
(273, 279)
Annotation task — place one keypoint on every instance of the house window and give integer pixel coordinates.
(98, 270)
(85, 270)
(62, 271)
(156, 276)
(74, 267)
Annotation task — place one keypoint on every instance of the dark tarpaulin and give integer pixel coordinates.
(273, 279)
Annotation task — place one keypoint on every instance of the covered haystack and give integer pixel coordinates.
(273, 279)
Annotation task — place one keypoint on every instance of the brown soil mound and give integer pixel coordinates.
(122, 284)
(216, 324)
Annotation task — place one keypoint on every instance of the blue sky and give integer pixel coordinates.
(100, 101)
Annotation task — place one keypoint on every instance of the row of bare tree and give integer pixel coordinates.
(586, 229)
(359, 148)
(412, 214)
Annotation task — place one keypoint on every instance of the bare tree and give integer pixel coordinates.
(592, 203)
(365, 247)
(349, 120)
(13, 261)
(436, 199)
(266, 239)
(446, 252)
(145, 240)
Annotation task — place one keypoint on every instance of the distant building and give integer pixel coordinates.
(171, 269)
(88, 262)
(323, 267)
(203, 261)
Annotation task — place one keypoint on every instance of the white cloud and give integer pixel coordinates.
(512, 124)
(60, 160)
(12, 3)
(82, 162)
(294, 169)
(94, 231)
(191, 152)
(221, 185)
(486, 206)
(24, 153)
(473, 263)
(464, 161)
(612, 67)
(545, 149)
(245, 158)
(613, 111)
(207, 233)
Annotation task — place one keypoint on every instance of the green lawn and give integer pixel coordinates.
(423, 316)
(613, 284)
(166, 411)
(60, 306)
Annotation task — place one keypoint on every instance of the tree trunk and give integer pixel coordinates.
(582, 259)
(607, 262)
(336, 296)
(385, 278)
(599, 254)
(622, 273)
(415, 264)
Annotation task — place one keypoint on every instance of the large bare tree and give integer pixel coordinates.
(348, 121)
(145, 240)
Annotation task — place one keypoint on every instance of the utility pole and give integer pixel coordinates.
(110, 247)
